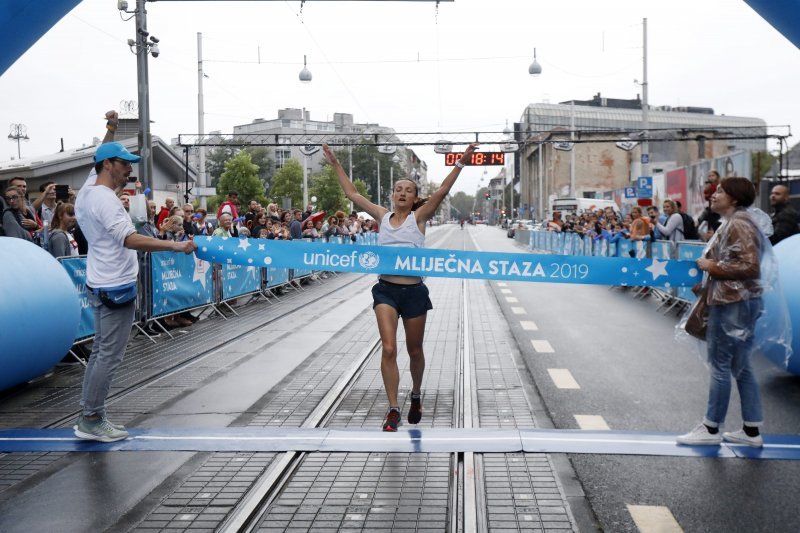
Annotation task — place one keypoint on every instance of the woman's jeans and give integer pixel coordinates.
(730, 345)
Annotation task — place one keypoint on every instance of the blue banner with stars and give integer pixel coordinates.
(448, 263)
(179, 282)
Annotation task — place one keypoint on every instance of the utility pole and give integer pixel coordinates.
(144, 138)
(645, 106)
(201, 176)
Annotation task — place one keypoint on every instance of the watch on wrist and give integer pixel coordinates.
(459, 164)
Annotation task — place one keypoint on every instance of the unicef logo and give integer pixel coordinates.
(369, 260)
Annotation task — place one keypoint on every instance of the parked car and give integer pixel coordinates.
(517, 224)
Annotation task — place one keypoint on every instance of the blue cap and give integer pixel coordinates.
(114, 150)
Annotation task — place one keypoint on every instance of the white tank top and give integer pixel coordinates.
(408, 234)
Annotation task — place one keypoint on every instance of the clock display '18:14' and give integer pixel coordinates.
(478, 159)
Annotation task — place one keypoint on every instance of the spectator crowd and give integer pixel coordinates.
(650, 224)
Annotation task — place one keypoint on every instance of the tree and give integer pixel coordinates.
(361, 187)
(288, 181)
(330, 196)
(219, 155)
(762, 163)
(462, 202)
(365, 167)
(240, 175)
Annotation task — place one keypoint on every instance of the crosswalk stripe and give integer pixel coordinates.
(563, 378)
(542, 346)
(591, 422)
(654, 519)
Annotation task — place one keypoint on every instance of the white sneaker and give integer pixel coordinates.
(740, 437)
(700, 436)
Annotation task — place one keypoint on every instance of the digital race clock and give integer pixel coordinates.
(478, 159)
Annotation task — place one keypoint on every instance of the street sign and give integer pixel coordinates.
(627, 144)
(645, 159)
(630, 192)
(644, 187)
(443, 147)
(565, 146)
(309, 149)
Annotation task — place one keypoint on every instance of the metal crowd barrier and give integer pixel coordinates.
(172, 282)
(575, 244)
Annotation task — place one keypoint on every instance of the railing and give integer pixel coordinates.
(171, 282)
(575, 244)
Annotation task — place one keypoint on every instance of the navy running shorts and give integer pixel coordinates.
(409, 301)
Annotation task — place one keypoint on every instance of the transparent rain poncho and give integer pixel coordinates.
(750, 258)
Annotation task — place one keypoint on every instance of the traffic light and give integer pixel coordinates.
(487, 196)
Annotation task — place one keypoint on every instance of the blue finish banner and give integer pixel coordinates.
(449, 263)
(76, 270)
(180, 282)
(238, 280)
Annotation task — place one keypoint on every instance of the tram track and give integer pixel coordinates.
(467, 506)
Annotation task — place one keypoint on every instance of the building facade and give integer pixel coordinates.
(606, 148)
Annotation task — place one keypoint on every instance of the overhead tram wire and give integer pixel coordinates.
(555, 135)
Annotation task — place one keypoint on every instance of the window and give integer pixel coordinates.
(282, 155)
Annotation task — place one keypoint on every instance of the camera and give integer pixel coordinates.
(154, 50)
(62, 192)
(132, 179)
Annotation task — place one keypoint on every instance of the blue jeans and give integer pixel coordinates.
(730, 345)
(112, 330)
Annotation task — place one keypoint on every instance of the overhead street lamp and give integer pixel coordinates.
(535, 69)
(19, 132)
(305, 77)
(395, 160)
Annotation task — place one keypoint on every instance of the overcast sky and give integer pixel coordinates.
(400, 64)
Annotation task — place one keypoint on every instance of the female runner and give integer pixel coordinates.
(401, 296)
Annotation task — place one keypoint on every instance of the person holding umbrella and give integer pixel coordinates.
(405, 297)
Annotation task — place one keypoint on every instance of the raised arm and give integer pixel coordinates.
(426, 211)
(112, 121)
(349, 189)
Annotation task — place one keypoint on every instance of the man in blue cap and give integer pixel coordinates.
(111, 273)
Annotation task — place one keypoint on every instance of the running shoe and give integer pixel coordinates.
(392, 420)
(740, 437)
(700, 436)
(99, 430)
(115, 426)
(415, 411)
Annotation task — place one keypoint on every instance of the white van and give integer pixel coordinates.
(580, 205)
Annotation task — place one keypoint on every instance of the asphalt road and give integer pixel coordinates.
(631, 372)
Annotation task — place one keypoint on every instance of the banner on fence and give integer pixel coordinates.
(180, 281)
(76, 269)
(238, 280)
(277, 276)
(449, 263)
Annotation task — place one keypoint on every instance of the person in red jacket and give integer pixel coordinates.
(229, 205)
(163, 214)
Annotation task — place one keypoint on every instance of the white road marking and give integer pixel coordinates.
(506, 291)
(502, 284)
(512, 299)
(563, 378)
(542, 346)
(654, 519)
(529, 325)
(519, 311)
(591, 422)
